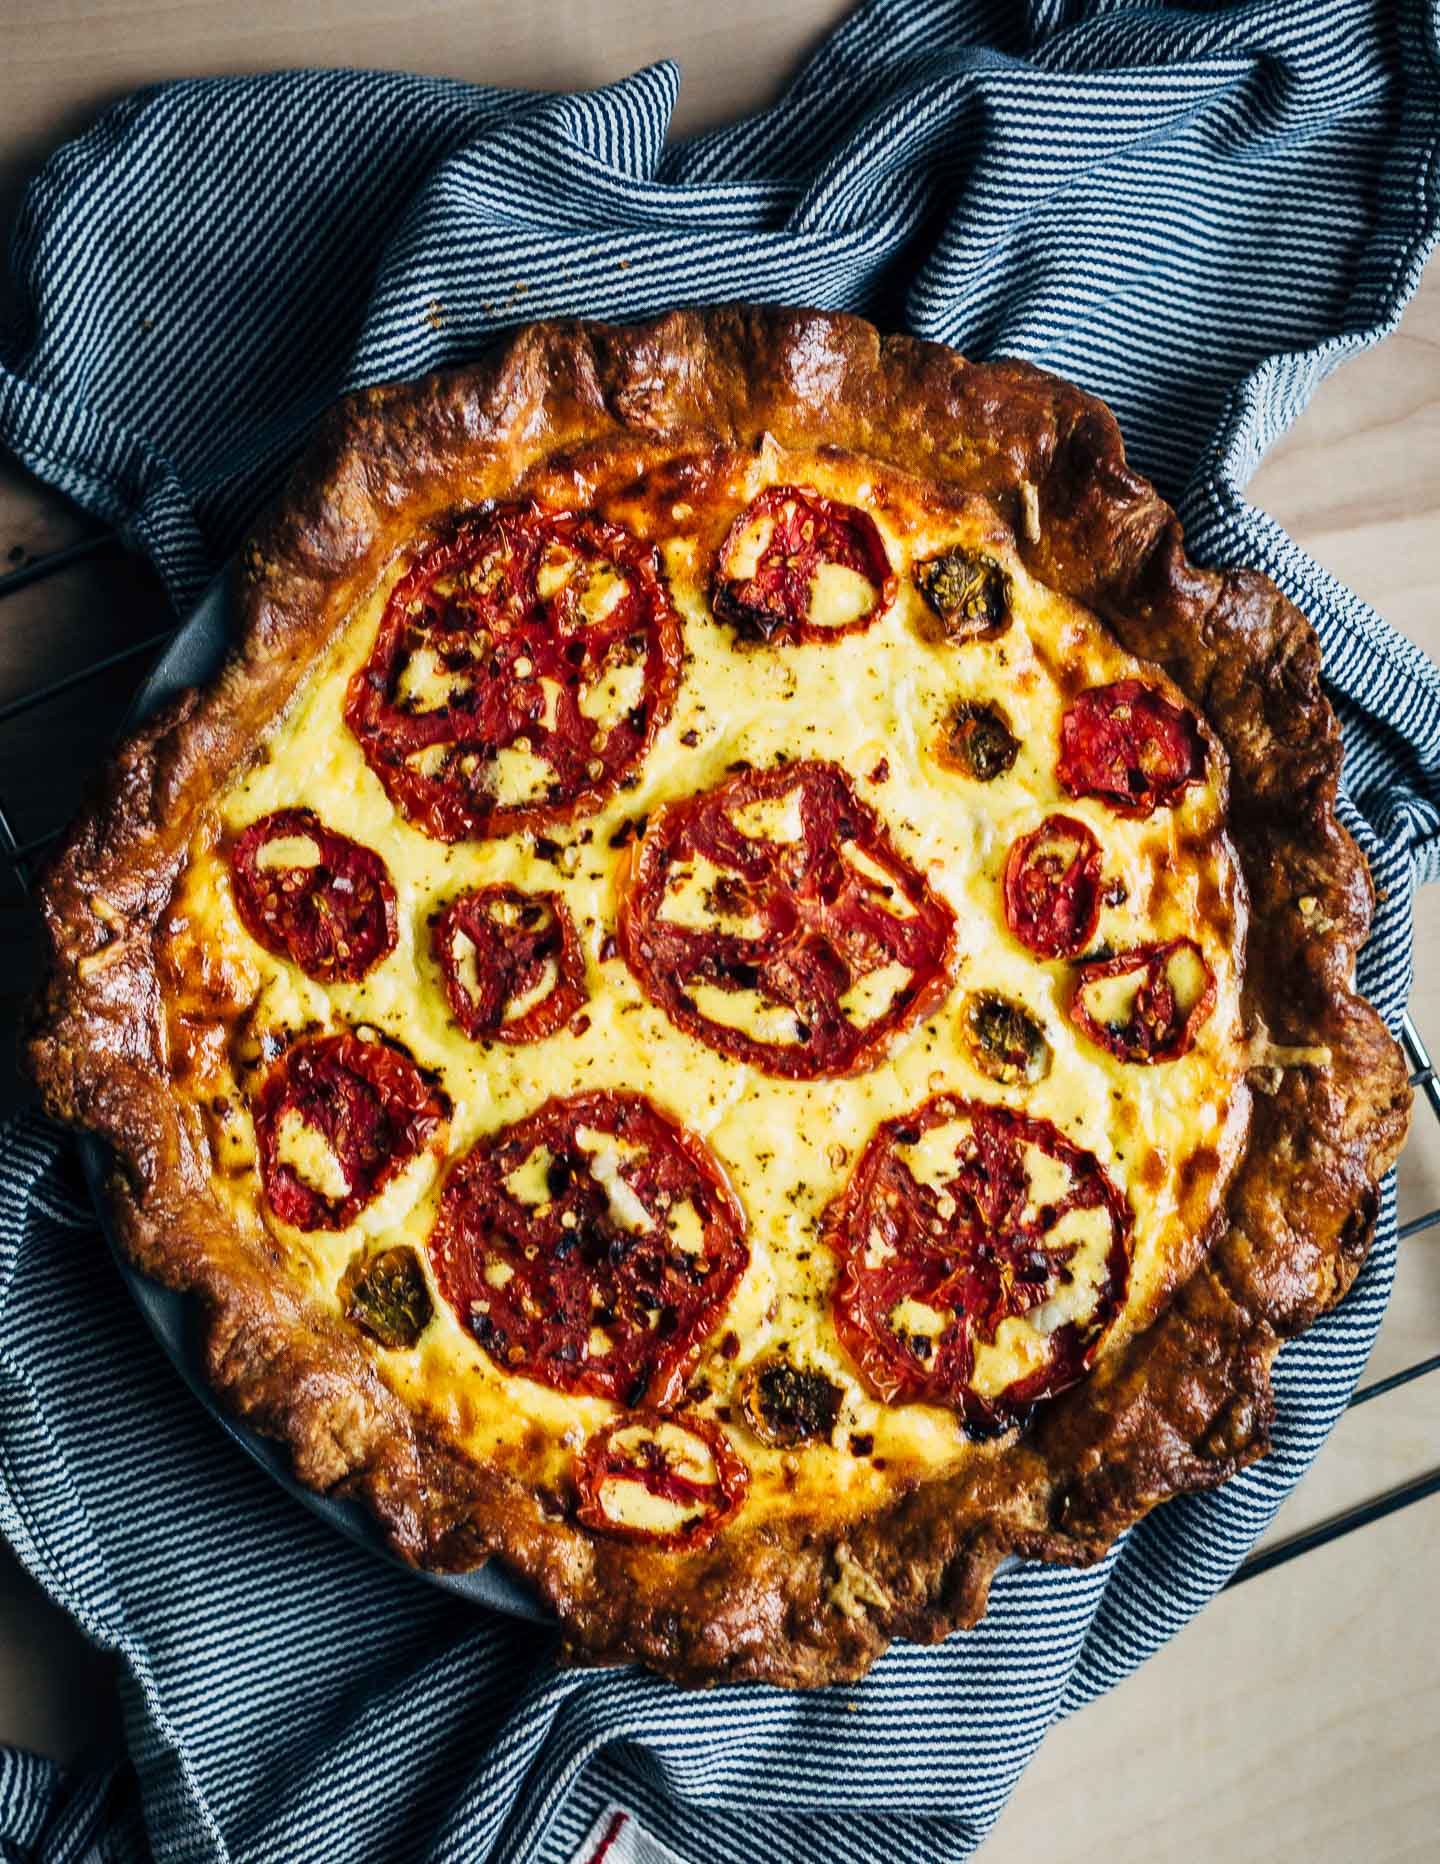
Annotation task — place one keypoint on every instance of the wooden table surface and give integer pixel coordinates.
(1299, 1716)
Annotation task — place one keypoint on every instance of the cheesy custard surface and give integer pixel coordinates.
(891, 703)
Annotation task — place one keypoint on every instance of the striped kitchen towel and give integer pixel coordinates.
(1196, 212)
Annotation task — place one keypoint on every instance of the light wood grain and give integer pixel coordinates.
(1295, 1720)
(1298, 1717)
(66, 58)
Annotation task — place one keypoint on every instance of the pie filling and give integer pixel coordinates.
(737, 1001)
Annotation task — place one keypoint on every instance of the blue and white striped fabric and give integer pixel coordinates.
(1195, 212)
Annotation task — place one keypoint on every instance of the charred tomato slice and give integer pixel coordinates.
(1145, 1005)
(1131, 746)
(592, 1245)
(779, 899)
(791, 559)
(335, 1120)
(958, 1217)
(320, 900)
(521, 669)
(511, 961)
(675, 1481)
(1052, 887)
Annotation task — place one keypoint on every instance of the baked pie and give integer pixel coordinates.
(741, 996)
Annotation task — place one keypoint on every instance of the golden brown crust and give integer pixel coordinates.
(1182, 1407)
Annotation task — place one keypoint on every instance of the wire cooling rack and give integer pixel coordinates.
(20, 855)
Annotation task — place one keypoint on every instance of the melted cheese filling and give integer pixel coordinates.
(874, 703)
(520, 775)
(426, 684)
(839, 595)
(693, 899)
(308, 1154)
(288, 851)
(607, 701)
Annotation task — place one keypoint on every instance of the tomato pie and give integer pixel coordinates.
(741, 995)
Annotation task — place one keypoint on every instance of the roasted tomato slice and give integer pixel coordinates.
(672, 1480)
(799, 567)
(1145, 1005)
(1052, 887)
(312, 896)
(962, 1216)
(1129, 745)
(521, 669)
(511, 961)
(335, 1120)
(592, 1245)
(773, 919)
